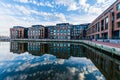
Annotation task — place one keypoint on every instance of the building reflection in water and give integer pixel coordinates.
(109, 66)
(36, 48)
(17, 47)
(65, 50)
(60, 50)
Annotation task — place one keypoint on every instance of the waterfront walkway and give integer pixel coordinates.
(113, 48)
(115, 45)
(108, 44)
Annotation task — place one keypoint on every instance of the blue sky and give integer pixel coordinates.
(48, 12)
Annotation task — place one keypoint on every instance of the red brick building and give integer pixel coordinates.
(18, 32)
(36, 32)
(107, 25)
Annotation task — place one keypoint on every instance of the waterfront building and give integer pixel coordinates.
(50, 32)
(107, 25)
(18, 32)
(62, 31)
(36, 32)
(46, 33)
(78, 31)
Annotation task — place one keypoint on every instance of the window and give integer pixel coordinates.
(118, 24)
(68, 27)
(102, 25)
(54, 31)
(68, 37)
(118, 6)
(106, 20)
(112, 16)
(98, 26)
(64, 31)
(106, 23)
(68, 30)
(118, 15)
(68, 33)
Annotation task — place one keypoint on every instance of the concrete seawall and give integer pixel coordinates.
(111, 50)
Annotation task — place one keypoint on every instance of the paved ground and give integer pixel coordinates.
(108, 44)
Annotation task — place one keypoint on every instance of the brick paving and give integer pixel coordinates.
(108, 44)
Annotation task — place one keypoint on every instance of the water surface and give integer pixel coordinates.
(54, 61)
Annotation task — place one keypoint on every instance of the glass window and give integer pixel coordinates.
(54, 30)
(68, 37)
(118, 6)
(106, 20)
(118, 24)
(98, 26)
(64, 31)
(61, 31)
(118, 15)
(68, 33)
(106, 23)
(102, 25)
(69, 27)
(68, 30)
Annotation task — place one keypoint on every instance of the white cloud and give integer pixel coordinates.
(24, 14)
(25, 1)
(48, 4)
(34, 2)
(72, 7)
(82, 2)
(60, 17)
(23, 9)
(10, 21)
(22, 1)
(101, 1)
(25, 18)
(94, 10)
(38, 3)
(41, 4)
(79, 19)
(49, 16)
(71, 4)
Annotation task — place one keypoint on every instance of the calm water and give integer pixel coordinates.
(55, 61)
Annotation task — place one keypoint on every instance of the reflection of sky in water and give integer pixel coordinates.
(47, 67)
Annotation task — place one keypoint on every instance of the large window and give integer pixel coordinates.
(118, 6)
(106, 23)
(116, 35)
(102, 25)
(118, 24)
(68, 30)
(54, 31)
(118, 15)
(98, 26)
(68, 33)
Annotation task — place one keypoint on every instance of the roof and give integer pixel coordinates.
(18, 27)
